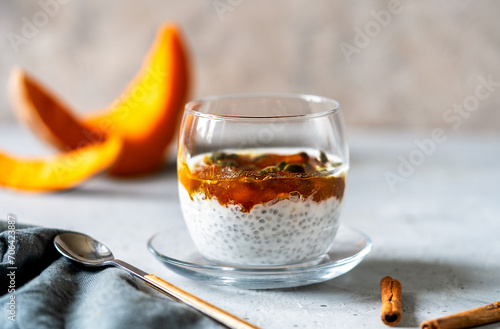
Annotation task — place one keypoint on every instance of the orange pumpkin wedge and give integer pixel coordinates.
(49, 117)
(61, 171)
(145, 116)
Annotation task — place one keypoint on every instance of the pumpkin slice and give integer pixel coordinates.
(49, 117)
(62, 171)
(145, 116)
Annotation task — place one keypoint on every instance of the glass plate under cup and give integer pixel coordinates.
(175, 249)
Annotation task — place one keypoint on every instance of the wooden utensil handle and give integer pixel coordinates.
(199, 304)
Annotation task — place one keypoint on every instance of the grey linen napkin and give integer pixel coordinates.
(52, 292)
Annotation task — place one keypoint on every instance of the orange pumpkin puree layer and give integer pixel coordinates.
(249, 179)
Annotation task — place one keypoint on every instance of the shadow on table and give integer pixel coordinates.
(415, 277)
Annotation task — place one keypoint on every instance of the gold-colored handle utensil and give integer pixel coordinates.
(88, 251)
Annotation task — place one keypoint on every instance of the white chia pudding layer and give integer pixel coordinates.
(275, 233)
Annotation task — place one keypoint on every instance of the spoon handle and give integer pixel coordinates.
(182, 296)
(214, 312)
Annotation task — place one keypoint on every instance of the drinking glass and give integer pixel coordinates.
(262, 177)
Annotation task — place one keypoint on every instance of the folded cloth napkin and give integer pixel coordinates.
(41, 289)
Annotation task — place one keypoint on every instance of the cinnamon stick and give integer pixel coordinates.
(390, 290)
(470, 318)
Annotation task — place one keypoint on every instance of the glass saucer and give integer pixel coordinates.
(175, 249)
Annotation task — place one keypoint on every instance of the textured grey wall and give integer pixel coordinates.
(411, 64)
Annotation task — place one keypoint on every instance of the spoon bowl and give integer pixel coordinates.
(83, 249)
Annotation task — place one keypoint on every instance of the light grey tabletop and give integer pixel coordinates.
(432, 211)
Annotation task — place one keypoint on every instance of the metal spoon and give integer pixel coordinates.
(85, 250)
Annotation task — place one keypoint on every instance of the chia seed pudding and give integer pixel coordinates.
(266, 208)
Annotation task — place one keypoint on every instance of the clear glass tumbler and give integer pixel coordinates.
(262, 177)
